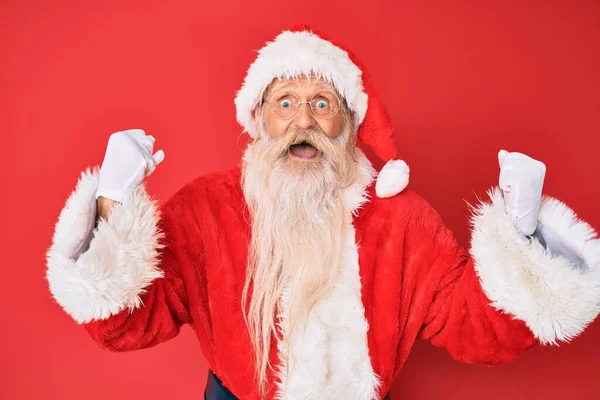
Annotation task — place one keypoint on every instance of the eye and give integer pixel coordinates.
(285, 103)
(322, 104)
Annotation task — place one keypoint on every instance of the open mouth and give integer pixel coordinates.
(304, 150)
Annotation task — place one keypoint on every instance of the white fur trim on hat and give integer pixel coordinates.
(392, 179)
(296, 54)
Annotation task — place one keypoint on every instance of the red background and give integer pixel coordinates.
(461, 81)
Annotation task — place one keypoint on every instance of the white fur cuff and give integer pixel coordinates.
(552, 295)
(101, 280)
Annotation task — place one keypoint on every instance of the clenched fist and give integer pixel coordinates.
(521, 180)
(127, 161)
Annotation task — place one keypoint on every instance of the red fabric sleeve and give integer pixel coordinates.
(459, 316)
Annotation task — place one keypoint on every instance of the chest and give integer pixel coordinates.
(345, 348)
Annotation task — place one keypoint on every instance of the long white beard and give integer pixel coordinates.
(297, 228)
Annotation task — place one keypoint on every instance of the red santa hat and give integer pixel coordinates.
(303, 51)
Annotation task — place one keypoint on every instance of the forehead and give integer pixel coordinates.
(299, 84)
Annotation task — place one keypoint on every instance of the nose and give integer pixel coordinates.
(305, 118)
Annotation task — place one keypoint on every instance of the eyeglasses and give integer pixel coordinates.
(323, 104)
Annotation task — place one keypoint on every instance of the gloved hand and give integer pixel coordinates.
(127, 161)
(521, 180)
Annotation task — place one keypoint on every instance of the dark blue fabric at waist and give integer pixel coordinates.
(216, 391)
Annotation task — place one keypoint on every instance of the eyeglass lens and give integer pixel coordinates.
(285, 104)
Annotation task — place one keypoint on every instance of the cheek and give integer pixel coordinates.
(275, 127)
(333, 127)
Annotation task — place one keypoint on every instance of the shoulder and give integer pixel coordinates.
(407, 216)
(204, 195)
(215, 186)
(406, 205)
(406, 219)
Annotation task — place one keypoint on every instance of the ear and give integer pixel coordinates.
(254, 121)
(350, 117)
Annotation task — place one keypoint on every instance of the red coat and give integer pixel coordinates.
(415, 282)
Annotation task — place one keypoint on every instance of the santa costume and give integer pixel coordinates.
(134, 279)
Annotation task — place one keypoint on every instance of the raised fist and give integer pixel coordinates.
(521, 180)
(127, 161)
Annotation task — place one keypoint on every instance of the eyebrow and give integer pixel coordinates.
(326, 85)
(281, 86)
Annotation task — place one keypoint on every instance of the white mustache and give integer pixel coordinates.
(314, 137)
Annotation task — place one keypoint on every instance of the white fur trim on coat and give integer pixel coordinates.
(96, 273)
(392, 179)
(356, 194)
(551, 294)
(294, 54)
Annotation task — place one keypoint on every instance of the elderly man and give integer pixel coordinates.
(303, 275)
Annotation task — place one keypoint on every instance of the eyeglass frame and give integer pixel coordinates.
(341, 104)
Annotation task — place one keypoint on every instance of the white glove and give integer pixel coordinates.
(127, 161)
(521, 180)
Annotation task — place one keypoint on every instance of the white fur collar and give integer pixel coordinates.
(355, 195)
